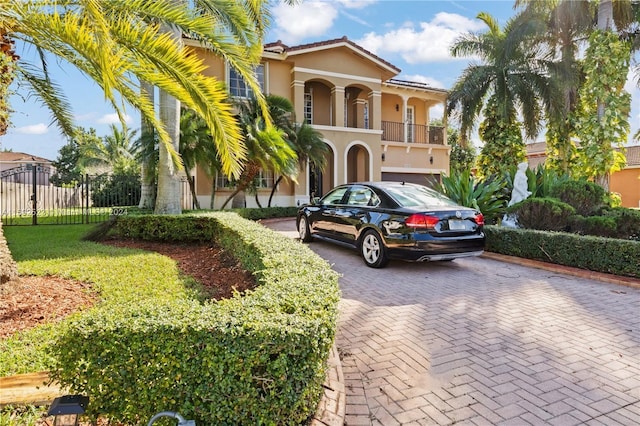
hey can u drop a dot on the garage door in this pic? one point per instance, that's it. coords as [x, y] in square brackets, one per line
[422, 179]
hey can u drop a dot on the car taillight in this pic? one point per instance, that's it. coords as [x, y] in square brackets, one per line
[421, 221]
[479, 219]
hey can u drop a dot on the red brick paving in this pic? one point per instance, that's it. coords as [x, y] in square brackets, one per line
[483, 341]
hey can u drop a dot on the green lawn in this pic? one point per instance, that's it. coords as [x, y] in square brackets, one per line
[116, 274]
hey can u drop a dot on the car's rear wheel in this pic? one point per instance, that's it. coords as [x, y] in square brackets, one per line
[373, 250]
[303, 230]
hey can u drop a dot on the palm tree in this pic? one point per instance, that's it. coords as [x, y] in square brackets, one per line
[114, 152]
[309, 146]
[267, 148]
[119, 44]
[146, 154]
[512, 74]
[196, 149]
[567, 25]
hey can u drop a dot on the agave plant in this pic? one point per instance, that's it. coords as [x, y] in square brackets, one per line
[487, 195]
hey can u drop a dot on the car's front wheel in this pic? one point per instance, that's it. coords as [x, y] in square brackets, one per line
[373, 250]
[303, 230]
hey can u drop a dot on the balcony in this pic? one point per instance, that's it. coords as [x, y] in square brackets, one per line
[416, 133]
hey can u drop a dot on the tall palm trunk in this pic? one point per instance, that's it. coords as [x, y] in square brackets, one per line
[8, 268]
[250, 172]
[7, 61]
[147, 190]
[274, 189]
[192, 187]
[169, 187]
[605, 22]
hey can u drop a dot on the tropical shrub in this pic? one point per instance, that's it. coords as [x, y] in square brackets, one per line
[601, 226]
[548, 214]
[608, 255]
[586, 197]
[116, 190]
[487, 196]
[627, 222]
[542, 180]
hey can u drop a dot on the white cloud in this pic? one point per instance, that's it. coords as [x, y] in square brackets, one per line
[356, 4]
[112, 119]
[34, 129]
[308, 19]
[429, 42]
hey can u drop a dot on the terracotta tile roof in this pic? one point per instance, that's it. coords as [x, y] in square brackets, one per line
[413, 85]
[632, 152]
[21, 157]
[278, 46]
[633, 155]
[536, 148]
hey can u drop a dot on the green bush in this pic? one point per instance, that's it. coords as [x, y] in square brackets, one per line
[609, 255]
[257, 359]
[627, 222]
[115, 190]
[584, 196]
[267, 212]
[487, 196]
[601, 226]
[547, 214]
[542, 180]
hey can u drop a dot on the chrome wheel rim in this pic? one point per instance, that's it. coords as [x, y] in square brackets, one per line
[370, 249]
[302, 228]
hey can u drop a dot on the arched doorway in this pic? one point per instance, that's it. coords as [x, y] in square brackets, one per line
[358, 164]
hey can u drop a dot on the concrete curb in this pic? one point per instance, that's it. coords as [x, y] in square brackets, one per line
[332, 406]
[576, 272]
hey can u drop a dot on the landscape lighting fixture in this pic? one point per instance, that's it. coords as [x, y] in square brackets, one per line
[67, 409]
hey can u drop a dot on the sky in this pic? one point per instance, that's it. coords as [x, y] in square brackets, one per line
[415, 36]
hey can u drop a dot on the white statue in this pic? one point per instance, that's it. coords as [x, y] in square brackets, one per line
[520, 192]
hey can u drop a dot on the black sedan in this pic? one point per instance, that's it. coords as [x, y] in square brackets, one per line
[393, 220]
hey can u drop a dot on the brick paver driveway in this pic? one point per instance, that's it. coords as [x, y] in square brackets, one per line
[478, 341]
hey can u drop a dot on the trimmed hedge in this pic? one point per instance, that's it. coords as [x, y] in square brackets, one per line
[609, 255]
[257, 359]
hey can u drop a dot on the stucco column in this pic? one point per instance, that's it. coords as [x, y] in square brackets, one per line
[444, 123]
[337, 93]
[404, 120]
[297, 87]
[375, 109]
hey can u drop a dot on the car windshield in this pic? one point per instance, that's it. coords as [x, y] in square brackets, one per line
[418, 196]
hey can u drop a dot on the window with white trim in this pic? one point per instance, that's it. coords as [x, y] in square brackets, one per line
[308, 107]
[238, 87]
[264, 179]
[346, 111]
[365, 112]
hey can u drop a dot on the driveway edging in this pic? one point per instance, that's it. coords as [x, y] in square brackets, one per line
[568, 270]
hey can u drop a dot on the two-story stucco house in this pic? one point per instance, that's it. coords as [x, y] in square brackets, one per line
[377, 127]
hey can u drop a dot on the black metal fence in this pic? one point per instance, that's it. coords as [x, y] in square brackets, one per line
[416, 133]
[28, 196]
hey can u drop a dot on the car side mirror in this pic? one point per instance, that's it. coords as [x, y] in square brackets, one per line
[315, 200]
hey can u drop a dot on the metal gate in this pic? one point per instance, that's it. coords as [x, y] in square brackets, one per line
[28, 196]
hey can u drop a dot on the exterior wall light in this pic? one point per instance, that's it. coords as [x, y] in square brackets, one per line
[66, 409]
[383, 156]
[431, 160]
